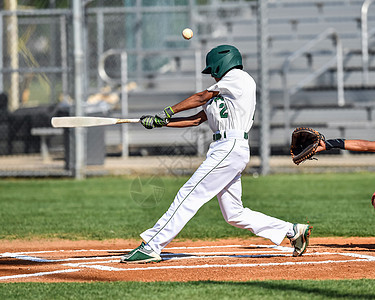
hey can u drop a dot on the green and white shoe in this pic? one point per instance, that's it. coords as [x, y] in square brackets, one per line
[300, 240]
[141, 255]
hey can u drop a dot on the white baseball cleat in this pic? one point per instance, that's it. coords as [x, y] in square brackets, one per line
[300, 240]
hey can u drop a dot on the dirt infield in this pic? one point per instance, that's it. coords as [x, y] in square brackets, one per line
[230, 259]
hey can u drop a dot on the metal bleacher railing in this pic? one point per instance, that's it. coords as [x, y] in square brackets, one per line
[306, 51]
[356, 66]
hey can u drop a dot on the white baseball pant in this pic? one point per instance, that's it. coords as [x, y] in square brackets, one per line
[219, 175]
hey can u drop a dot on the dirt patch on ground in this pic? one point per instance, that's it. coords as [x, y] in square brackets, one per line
[229, 259]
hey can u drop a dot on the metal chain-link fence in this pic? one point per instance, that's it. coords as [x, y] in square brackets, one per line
[37, 79]
[34, 85]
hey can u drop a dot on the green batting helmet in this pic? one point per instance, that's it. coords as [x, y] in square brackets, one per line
[221, 59]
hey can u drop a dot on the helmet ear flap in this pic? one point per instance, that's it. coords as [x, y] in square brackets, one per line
[216, 71]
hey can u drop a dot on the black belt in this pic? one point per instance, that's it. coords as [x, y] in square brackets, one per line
[218, 136]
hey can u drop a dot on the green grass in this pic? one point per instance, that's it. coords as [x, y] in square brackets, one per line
[330, 289]
[106, 208]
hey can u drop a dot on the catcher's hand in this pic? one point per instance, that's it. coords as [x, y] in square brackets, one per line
[305, 142]
[373, 200]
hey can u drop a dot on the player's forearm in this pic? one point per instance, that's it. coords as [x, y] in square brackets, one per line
[351, 145]
[193, 101]
[191, 121]
[360, 145]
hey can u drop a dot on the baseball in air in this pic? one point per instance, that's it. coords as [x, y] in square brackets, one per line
[187, 33]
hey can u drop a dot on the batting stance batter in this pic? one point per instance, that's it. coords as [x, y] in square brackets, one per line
[229, 107]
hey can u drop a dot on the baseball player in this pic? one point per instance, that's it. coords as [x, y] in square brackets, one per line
[228, 106]
[351, 145]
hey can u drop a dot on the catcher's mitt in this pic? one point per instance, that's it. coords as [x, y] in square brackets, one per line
[373, 200]
[305, 141]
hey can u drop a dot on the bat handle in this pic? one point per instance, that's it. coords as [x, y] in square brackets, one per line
[120, 121]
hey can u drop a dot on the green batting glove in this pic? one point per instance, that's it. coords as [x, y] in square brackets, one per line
[148, 122]
[162, 118]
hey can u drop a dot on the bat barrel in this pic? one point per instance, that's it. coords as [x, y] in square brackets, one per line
[69, 122]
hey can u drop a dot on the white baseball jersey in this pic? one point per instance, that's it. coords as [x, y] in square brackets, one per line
[234, 107]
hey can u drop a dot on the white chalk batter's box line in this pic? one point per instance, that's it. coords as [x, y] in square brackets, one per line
[27, 255]
[98, 263]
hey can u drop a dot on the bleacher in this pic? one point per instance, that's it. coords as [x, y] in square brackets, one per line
[292, 24]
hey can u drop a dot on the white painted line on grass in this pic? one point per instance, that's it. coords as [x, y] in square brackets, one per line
[38, 274]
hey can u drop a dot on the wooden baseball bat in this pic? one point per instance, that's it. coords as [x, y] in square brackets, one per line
[67, 122]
